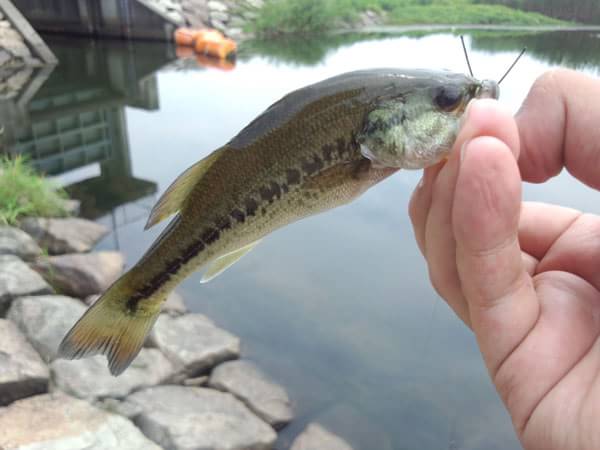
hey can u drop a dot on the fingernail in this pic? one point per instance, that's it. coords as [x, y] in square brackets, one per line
[463, 149]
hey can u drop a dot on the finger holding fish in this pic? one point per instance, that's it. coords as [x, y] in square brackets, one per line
[432, 204]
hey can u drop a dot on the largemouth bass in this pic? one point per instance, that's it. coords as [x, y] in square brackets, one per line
[315, 149]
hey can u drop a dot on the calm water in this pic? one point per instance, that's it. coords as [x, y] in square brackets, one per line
[338, 307]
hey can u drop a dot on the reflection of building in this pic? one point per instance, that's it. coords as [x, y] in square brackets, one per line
[77, 119]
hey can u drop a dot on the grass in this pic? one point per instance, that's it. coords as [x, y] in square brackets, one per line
[278, 17]
[24, 193]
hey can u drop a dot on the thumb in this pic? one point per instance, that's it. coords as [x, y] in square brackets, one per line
[503, 306]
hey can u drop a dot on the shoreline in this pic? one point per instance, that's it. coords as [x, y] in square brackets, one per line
[189, 381]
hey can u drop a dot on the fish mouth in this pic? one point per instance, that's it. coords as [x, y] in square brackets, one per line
[488, 89]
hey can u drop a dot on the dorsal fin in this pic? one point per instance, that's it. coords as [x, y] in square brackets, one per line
[172, 199]
[219, 265]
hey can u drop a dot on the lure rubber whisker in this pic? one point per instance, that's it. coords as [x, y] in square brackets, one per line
[462, 39]
[512, 65]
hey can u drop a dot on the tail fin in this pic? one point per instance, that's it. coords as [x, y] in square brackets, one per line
[108, 327]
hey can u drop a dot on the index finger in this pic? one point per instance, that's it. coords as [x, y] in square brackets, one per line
[559, 126]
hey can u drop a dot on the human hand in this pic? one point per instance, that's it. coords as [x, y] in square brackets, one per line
[524, 276]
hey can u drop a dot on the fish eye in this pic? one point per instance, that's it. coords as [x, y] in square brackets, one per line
[448, 98]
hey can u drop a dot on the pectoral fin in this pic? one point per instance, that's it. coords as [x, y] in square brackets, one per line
[220, 264]
[173, 198]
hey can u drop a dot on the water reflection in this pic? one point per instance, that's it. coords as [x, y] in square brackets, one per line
[337, 307]
[74, 125]
[576, 49]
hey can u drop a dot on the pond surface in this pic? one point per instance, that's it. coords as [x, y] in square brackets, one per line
[338, 307]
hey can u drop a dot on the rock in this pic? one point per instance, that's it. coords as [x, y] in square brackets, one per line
[257, 4]
[59, 422]
[214, 5]
[235, 33]
[193, 343]
[122, 408]
[175, 17]
[45, 320]
[58, 236]
[22, 371]
[4, 58]
[219, 25]
[169, 5]
[248, 383]
[4, 24]
[18, 48]
[237, 22]
[17, 279]
[198, 381]
[174, 305]
[219, 16]
[72, 207]
[315, 437]
[178, 417]
[90, 378]
[16, 242]
[81, 274]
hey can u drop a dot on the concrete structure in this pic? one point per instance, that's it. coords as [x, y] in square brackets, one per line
[127, 19]
[76, 120]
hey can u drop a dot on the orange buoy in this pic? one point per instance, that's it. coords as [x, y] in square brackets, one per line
[221, 48]
[185, 36]
[205, 42]
[184, 52]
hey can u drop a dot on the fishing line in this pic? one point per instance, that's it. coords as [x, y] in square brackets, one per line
[462, 39]
[512, 65]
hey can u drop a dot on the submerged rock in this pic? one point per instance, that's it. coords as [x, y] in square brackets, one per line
[45, 320]
[90, 378]
[60, 422]
[174, 305]
[179, 418]
[17, 279]
[16, 242]
[315, 437]
[357, 427]
[248, 383]
[82, 275]
[22, 371]
[193, 343]
[58, 236]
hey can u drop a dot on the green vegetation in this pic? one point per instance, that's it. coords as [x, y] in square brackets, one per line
[465, 12]
[25, 193]
[584, 11]
[313, 16]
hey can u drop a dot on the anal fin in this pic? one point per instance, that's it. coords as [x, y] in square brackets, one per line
[219, 265]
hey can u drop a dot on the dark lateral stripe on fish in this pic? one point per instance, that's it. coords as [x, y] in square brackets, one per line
[271, 192]
[268, 194]
[293, 176]
[312, 167]
[328, 151]
[251, 206]
[207, 237]
[238, 215]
